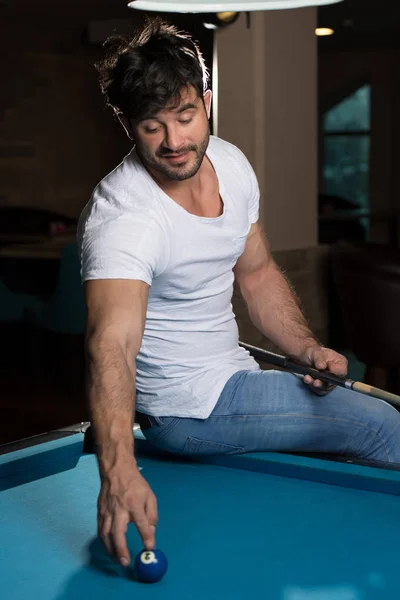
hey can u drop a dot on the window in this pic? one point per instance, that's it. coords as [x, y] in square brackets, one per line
[346, 134]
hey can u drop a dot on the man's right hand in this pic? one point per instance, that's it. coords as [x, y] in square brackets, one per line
[125, 497]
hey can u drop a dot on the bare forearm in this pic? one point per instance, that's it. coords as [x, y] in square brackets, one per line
[111, 399]
[275, 311]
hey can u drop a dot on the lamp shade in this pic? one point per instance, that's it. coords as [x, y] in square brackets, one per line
[214, 6]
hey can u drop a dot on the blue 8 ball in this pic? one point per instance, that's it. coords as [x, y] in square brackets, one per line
[150, 566]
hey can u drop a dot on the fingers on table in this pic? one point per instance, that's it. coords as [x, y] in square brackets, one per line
[104, 532]
[146, 532]
[118, 534]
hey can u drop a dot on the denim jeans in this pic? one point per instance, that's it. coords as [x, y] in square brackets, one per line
[276, 411]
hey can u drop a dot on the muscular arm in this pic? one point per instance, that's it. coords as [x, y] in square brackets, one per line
[273, 306]
[116, 317]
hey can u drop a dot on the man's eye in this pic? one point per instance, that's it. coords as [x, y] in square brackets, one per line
[147, 130]
[186, 121]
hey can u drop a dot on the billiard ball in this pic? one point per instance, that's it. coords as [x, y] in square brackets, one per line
[150, 565]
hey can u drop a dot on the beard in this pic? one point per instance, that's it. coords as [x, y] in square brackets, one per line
[178, 172]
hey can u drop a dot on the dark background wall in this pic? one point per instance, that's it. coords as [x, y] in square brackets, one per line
[57, 140]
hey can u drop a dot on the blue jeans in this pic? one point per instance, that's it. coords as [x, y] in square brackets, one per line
[276, 411]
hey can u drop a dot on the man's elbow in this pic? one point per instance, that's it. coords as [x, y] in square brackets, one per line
[111, 342]
[250, 282]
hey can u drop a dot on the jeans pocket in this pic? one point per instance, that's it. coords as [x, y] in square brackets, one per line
[203, 447]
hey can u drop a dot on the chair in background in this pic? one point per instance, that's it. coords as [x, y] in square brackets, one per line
[65, 311]
[13, 305]
[12, 309]
[339, 219]
[58, 325]
[367, 281]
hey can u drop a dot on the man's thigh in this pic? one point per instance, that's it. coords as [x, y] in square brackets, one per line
[276, 411]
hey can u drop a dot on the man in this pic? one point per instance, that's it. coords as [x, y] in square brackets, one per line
[162, 240]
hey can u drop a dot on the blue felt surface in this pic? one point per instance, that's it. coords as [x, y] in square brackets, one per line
[229, 534]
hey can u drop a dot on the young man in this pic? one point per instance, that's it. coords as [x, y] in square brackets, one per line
[162, 240]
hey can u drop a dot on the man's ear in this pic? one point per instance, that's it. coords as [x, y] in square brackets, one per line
[207, 97]
[126, 125]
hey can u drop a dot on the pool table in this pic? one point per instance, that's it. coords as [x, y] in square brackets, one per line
[240, 527]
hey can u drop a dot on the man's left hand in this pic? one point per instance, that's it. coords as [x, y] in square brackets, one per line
[323, 359]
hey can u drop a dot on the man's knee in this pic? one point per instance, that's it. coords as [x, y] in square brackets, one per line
[384, 440]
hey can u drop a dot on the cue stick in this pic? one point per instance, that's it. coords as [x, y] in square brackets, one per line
[300, 369]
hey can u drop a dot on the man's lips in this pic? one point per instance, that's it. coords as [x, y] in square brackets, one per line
[176, 157]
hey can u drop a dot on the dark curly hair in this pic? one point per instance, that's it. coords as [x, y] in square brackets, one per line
[142, 75]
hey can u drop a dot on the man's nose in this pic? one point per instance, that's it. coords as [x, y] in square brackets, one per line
[174, 139]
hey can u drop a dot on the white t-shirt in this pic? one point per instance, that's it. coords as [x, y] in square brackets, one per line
[131, 229]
